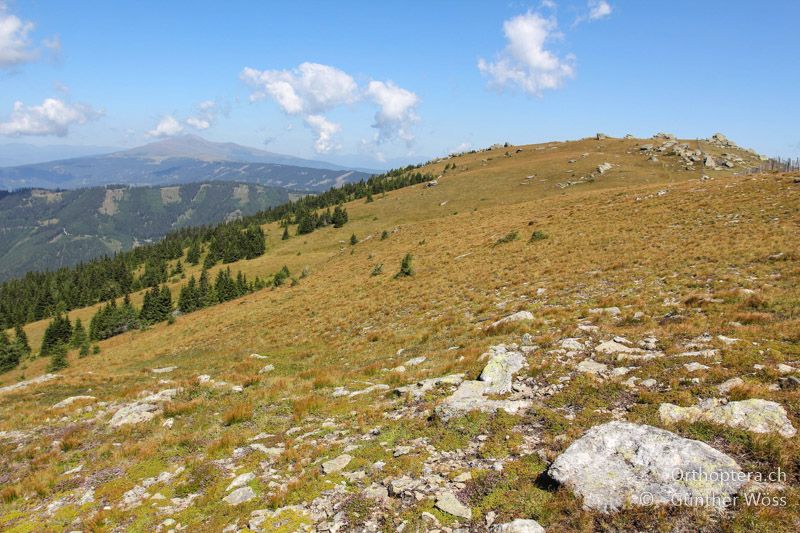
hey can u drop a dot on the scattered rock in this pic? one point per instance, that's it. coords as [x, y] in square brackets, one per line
[727, 386]
[418, 389]
[612, 311]
[241, 480]
[516, 317]
[447, 502]
[335, 465]
[496, 378]
[604, 167]
[266, 369]
[165, 370]
[416, 361]
[694, 366]
[142, 410]
[239, 496]
[72, 399]
[620, 463]
[590, 366]
[519, 526]
[27, 383]
[500, 369]
[756, 415]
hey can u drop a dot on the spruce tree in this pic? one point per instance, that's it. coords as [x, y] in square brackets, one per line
[21, 339]
[353, 239]
[188, 300]
[78, 334]
[285, 233]
[10, 353]
[59, 331]
[405, 267]
[58, 358]
[193, 255]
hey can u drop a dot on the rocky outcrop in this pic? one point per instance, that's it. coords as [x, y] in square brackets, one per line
[418, 389]
[142, 410]
[496, 378]
[500, 369]
[758, 416]
[619, 464]
[27, 383]
[66, 402]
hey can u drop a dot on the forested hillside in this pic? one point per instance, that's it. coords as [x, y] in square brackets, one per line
[45, 230]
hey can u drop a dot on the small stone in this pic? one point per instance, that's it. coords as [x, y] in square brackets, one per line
[590, 366]
[519, 526]
[239, 496]
[694, 367]
[447, 502]
[241, 480]
[335, 465]
[402, 450]
[727, 386]
[516, 317]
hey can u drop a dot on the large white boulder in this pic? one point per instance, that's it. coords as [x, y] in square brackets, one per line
[618, 464]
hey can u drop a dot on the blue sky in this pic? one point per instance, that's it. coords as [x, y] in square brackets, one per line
[388, 80]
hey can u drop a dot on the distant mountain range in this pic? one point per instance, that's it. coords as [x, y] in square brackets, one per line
[44, 229]
[15, 153]
[181, 159]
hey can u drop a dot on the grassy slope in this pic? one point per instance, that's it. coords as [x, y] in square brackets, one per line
[611, 242]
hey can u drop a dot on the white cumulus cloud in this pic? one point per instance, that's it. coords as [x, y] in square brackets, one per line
[311, 89]
[166, 127]
[326, 133]
[396, 110]
[599, 9]
[207, 111]
[525, 62]
[15, 43]
[52, 117]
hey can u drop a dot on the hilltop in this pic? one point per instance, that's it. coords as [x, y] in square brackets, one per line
[561, 298]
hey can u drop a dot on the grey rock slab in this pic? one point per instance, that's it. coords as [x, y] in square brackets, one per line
[66, 402]
[419, 388]
[34, 381]
[727, 386]
[755, 415]
[619, 464]
[239, 496]
[516, 317]
[337, 464]
[519, 526]
[499, 371]
[241, 480]
[590, 366]
[447, 502]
